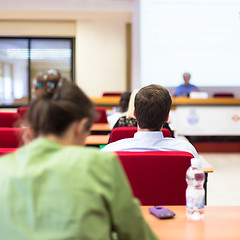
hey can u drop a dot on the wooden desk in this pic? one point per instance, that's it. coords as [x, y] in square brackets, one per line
[107, 102]
[176, 101]
[206, 117]
[207, 168]
[219, 223]
[100, 128]
[96, 140]
[209, 101]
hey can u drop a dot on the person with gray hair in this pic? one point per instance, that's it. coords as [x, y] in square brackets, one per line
[184, 89]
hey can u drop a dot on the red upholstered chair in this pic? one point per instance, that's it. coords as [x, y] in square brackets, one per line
[4, 151]
[11, 137]
[8, 119]
[166, 132]
[102, 118]
[128, 132]
[223, 94]
[112, 94]
[157, 177]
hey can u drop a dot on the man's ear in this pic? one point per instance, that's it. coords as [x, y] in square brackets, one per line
[134, 113]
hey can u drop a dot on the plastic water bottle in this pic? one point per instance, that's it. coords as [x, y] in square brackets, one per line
[195, 193]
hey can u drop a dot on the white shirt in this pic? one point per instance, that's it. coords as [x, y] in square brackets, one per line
[112, 119]
[151, 141]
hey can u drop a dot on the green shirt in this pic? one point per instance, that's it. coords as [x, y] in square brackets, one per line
[52, 192]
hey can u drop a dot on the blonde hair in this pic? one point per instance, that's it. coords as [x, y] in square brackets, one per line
[130, 111]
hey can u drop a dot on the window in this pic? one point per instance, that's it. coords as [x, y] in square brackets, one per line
[21, 59]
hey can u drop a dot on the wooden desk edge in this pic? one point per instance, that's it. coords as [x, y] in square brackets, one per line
[207, 168]
[97, 140]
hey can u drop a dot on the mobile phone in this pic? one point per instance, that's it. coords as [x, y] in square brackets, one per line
[161, 212]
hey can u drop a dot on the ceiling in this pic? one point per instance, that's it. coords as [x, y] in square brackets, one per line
[67, 5]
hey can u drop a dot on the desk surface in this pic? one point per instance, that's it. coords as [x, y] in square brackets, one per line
[219, 223]
[113, 101]
[106, 101]
[207, 101]
[207, 168]
[100, 127]
[97, 140]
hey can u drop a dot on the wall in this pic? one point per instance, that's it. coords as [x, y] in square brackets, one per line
[100, 43]
[101, 56]
[33, 28]
[136, 56]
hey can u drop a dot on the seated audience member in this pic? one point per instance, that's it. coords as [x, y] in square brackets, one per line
[53, 187]
[129, 120]
[122, 108]
[184, 89]
[152, 105]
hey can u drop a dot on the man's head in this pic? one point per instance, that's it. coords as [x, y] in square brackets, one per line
[186, 78]
[152, 105]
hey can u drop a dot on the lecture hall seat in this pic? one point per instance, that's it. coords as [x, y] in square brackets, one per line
[11, 137]
[223, 94]
[157, 177]
[102, 116]
[4, 151]
[128, 132]
[9, 119]
[112, 94]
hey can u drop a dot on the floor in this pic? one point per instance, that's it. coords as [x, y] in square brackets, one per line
[224, 182]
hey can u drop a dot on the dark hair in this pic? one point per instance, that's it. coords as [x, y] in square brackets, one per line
[55, 108]
[124, 100]
[152, 105]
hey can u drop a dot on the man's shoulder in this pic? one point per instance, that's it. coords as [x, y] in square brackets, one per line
[119, 145]
[182, 145]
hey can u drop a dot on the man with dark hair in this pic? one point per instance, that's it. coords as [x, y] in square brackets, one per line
[152, 105]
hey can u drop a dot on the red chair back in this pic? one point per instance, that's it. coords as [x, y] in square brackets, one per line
[128, 132]
[230, 95]
[11, 137]
[102, 118]
[157, 177]
[8, 119]
[4, 151]
[112, 94]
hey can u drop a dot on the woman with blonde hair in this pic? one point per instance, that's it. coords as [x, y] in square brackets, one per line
[128, 120]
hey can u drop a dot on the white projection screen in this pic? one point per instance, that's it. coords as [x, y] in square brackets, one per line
[201, 37]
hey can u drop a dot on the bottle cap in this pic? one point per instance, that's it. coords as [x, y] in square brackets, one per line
[196, 163]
